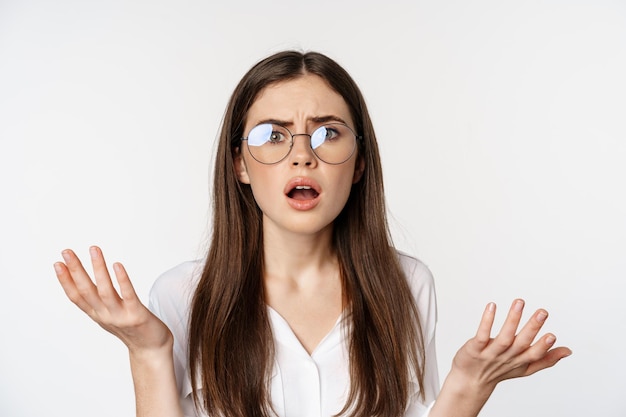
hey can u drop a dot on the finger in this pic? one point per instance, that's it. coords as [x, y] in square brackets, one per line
[483, 335]
[105, 288]
[530, 330]
[83, 282]
[550, 356]
[539, 350]
[126, 287]
[69, 287]
[506, 336]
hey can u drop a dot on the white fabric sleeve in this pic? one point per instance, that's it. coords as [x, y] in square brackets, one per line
[170, 300]
[423, 289]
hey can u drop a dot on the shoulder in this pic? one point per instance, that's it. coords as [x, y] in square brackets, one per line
[185, 273]
[418, 275]
[173, 290]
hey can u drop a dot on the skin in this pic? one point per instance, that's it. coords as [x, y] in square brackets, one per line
[302, 276]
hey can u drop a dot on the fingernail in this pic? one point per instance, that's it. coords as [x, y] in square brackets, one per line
[93, 251]
[491, 307]
[519, 305]
[550, 340]
[542, 316]
[66, 255]
[57, 268]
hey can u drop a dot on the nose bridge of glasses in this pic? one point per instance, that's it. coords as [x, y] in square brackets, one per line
[293, 139]
[300, 134]
[316, 138]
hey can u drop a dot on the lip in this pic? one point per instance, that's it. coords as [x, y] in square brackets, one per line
[302, 204]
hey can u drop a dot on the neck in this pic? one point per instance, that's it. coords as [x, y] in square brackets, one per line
[302, 259]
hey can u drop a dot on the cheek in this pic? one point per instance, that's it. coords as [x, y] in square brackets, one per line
[344, 187]
[263, 185]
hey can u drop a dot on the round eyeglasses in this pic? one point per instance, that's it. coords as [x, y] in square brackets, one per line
[332, 143]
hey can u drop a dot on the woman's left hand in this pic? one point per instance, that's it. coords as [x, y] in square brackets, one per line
[510, 354]
[483, 361]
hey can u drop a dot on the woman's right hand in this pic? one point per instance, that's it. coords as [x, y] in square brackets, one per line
[148, 339]
[120, 314]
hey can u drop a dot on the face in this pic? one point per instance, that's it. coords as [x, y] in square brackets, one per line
[300, 194]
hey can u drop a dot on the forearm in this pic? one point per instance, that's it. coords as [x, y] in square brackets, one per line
[155, 383]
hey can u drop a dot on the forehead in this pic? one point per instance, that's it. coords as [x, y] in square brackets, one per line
[298, 100]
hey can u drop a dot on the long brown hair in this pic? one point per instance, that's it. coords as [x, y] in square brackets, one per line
[231, 349]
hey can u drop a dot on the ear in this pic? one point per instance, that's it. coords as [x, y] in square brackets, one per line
[358, 170]
[240, 167]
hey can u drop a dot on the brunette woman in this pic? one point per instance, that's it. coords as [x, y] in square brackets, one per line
[302, 306]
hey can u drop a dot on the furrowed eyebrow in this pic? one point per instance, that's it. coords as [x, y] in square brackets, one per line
[326, 119]
[317, 119]
[273, 122]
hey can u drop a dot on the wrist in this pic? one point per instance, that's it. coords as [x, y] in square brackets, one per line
[461, 395]
[143, 355]
[464, 385]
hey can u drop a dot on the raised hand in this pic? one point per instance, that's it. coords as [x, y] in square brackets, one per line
[148, 339]
[483, 361]
[509, 354]
[124, 316]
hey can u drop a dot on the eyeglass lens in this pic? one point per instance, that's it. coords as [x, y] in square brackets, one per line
[332, 143]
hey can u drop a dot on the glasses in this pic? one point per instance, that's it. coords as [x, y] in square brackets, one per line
[333, 143]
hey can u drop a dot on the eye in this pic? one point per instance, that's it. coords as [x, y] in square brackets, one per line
[267, 134]
[331, 133]
[326, 134]
[276, 137]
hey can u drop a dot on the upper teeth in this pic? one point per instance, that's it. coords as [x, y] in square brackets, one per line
[302, 187]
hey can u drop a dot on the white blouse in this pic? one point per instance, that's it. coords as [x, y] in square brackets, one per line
[302, 385]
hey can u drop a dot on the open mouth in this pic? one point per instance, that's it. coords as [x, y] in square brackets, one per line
[302, 192]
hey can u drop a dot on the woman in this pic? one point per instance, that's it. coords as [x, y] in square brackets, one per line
[302, 306]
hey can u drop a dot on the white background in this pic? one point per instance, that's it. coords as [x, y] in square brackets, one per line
[502, 128]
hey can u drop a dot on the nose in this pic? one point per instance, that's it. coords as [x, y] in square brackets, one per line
[301, 152]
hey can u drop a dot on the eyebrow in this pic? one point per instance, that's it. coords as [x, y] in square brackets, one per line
[316, 119]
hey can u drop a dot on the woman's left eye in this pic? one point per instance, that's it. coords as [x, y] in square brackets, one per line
[331, 133]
